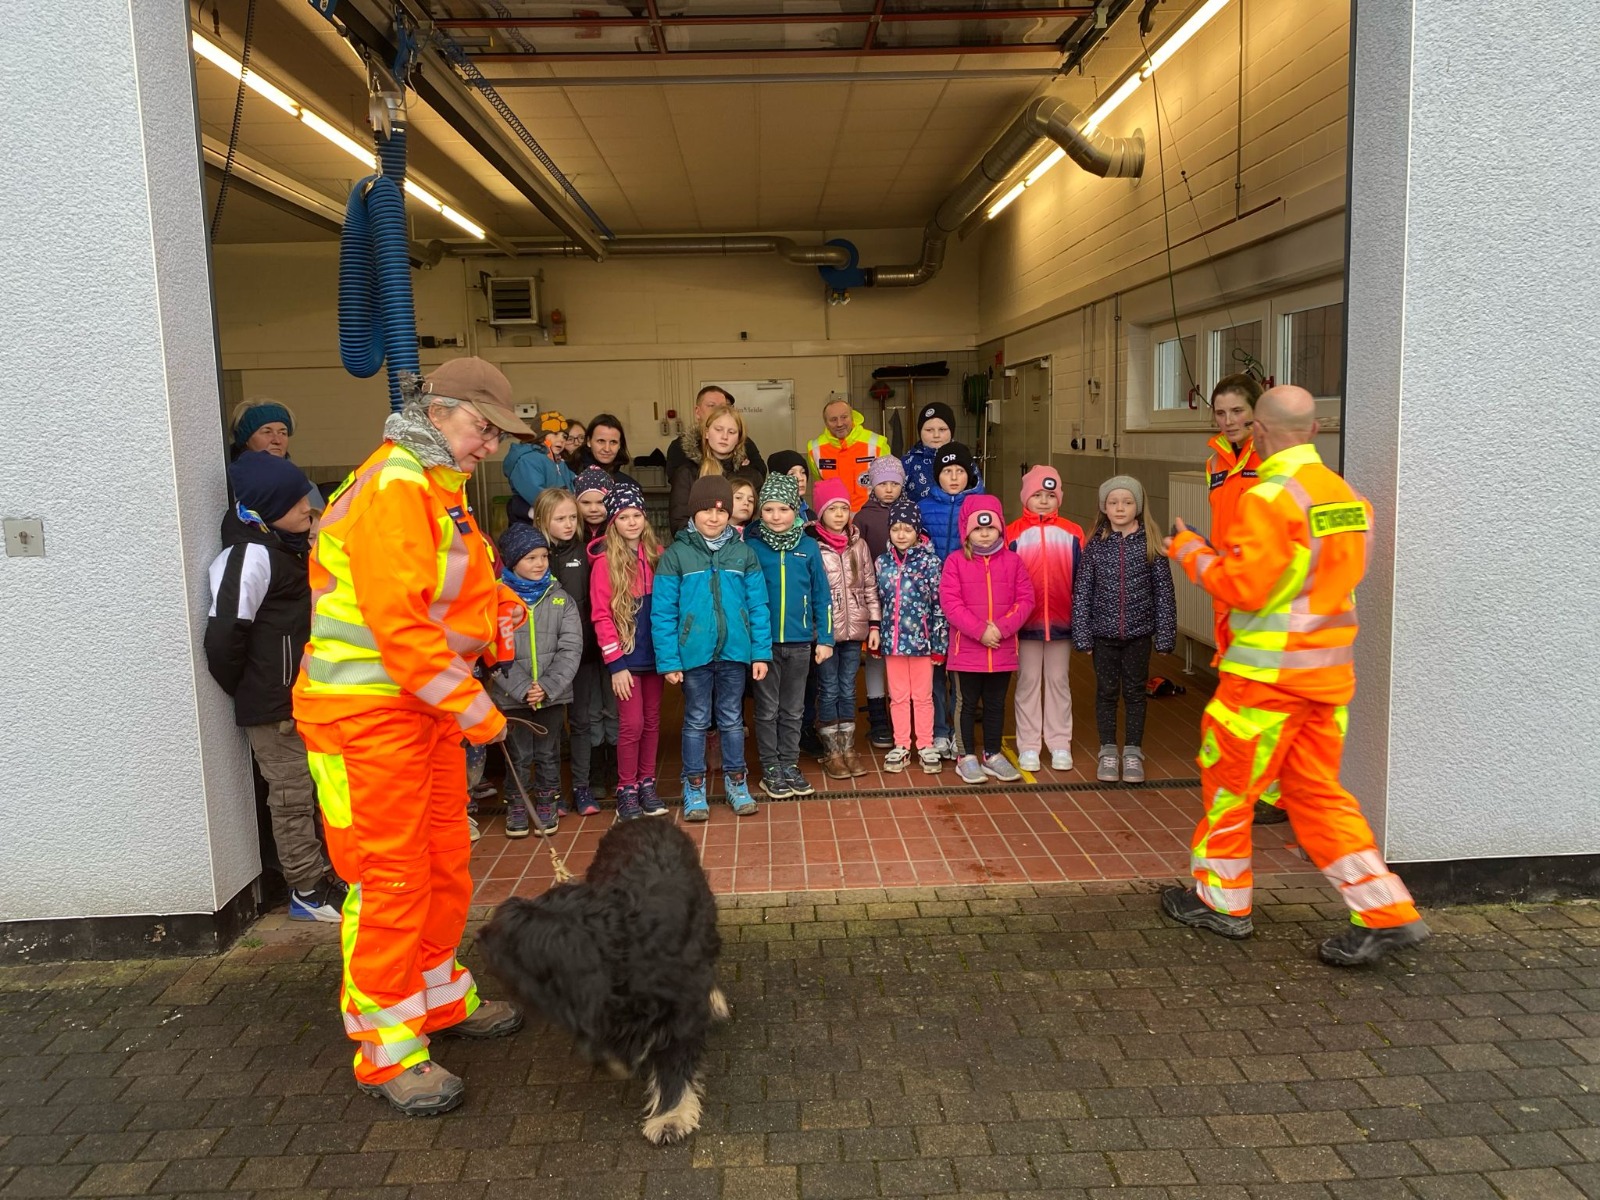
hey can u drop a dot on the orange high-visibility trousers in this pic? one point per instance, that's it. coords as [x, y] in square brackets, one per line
[391, 783]
[1252, 733]
[1273, 793]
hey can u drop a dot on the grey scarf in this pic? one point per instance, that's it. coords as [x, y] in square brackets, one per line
[411, 428]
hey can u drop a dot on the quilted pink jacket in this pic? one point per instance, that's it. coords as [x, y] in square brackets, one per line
[854, 584]
[975, 591]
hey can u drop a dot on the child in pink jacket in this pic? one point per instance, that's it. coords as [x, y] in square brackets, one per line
[986, 595]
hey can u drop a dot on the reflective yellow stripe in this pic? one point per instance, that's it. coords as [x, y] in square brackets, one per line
[334, 629]
[359, 674]
[333, 788]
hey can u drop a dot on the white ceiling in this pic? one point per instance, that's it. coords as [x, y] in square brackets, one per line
[658, 157]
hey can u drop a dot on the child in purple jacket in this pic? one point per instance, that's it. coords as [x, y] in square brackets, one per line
[986, 595]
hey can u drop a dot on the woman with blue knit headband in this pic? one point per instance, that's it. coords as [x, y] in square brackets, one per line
[264, 424]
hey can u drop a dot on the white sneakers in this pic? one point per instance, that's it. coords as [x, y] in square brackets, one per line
[1028, 760]
[1061, 760]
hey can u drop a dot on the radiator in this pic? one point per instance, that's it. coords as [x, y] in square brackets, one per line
[1187, 498]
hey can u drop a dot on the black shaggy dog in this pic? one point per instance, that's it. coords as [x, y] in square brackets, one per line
[625, 960]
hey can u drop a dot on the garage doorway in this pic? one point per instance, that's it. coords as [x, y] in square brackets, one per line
[1019, 429]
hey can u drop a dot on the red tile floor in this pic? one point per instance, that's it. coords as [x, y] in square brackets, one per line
[931, 829]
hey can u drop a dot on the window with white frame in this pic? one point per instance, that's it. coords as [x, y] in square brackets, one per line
[1311, 350]
[1235, 350]
[1175, 364]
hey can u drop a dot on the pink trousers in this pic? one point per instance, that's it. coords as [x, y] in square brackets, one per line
[910, 694]
[1044, 701]
[638, 729]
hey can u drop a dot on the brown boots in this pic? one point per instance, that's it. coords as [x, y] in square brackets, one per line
[841, 760]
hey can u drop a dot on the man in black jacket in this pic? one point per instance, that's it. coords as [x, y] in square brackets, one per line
[258, 626]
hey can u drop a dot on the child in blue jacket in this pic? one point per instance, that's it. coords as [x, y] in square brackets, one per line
[954, 480]
[801, 609]
[710, 623]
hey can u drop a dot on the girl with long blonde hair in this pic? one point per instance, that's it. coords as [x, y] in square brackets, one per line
[621, 580]
[718, 445]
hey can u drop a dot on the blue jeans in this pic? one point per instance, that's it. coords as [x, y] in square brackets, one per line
[943, 702]
[836, 684]
[714, 692]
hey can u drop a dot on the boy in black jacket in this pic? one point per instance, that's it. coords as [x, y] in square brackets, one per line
[258, 626]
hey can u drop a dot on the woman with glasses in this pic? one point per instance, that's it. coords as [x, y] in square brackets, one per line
[405, 603]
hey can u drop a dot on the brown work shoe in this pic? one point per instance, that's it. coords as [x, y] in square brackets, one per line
[425, 1090]
[491, 1019]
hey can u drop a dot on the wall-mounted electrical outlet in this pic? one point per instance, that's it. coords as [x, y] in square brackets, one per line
[24, 538]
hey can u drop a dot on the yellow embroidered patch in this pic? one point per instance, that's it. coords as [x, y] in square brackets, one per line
[1345, 517]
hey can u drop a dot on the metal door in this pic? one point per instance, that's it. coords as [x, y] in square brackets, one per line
[1020, 431]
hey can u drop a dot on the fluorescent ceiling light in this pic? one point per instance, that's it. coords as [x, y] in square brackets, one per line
[1050, 160]
[1169, 46]
[1000, 205]
[220, 58]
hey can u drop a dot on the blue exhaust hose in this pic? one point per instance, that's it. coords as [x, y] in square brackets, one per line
[377, 317]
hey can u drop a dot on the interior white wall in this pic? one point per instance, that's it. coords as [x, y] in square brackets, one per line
[1475, 227]
[124, 786]
[642, 333]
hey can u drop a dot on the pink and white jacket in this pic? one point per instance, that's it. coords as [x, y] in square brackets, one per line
[977, 590]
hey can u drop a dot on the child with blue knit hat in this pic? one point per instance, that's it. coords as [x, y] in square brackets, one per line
[259, 624]
[535, 687]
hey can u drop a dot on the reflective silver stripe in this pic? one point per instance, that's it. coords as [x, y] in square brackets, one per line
[1299, 619]
[1233, 901]
[392, 1054]
[320, 670]
[462, 644]
[343, 631]
[1375, 893]
[456, 560]
[412, 1008]
[439, 973]
[1353, 868]
[1223, 868]
[475, 712]
[438, 689]
[449, 993]
[1289, 660]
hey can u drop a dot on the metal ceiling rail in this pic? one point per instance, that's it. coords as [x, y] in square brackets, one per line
[981, 75]
[628, 56]
[871, 17]
[371, 23]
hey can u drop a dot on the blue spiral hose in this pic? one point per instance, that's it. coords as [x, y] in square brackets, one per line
[377, 317]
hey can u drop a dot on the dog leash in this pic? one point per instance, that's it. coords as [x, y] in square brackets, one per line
[560, 868]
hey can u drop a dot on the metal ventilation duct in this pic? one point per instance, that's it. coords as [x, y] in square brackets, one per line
[692, 244]
[1097, 153]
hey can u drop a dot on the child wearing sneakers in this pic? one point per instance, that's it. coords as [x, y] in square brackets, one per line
[886, 480]
[1049, 546]
[537, 684]
[1121, 600]
[710, 623]
[855, 624]
[622, 568]
[259, 624]
[986, 595]
[954, 479]
[801, 606]
[914, 634]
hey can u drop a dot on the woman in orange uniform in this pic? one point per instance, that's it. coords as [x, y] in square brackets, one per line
[405, 601]
[1230, 473]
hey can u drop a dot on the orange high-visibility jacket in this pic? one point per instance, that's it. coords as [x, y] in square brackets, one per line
[1295, 552]
[404, 599]
[1229, 475]
[847, 460]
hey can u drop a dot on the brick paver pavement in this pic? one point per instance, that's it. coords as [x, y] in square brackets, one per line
[1032, 1041]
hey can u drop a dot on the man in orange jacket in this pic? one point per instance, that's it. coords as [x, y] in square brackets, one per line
[845, 450]
[405, 601]
[1288, 569]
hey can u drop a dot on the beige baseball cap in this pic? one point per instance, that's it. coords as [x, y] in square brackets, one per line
[481, 384]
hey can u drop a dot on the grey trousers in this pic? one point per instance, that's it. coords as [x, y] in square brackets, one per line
[292, 801]
[780, 697]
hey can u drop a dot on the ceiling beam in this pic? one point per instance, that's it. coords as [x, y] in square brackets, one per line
[371, 23]
[872, 17]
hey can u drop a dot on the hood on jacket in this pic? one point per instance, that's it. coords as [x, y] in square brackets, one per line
[857, 424]
[694, 450]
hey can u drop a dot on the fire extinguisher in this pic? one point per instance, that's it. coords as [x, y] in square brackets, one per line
[558, 327]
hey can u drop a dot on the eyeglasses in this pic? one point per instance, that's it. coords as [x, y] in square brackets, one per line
[487, 431]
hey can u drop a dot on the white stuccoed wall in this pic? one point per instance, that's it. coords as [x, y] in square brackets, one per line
[1473, 424]
[124, 786]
